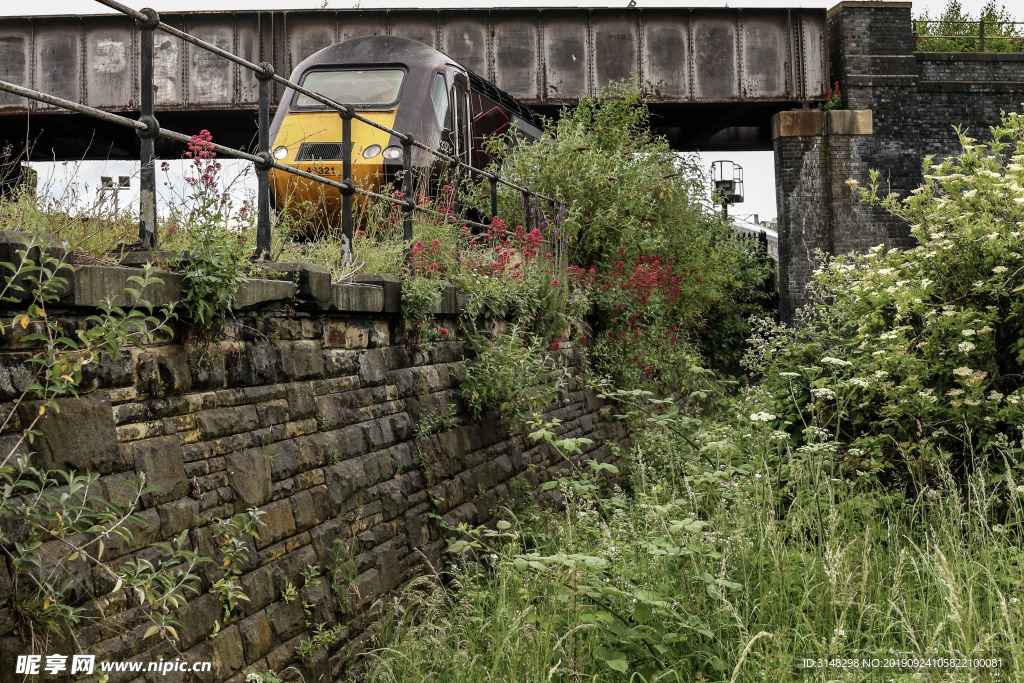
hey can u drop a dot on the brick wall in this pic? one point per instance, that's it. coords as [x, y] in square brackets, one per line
[914, 101]
[308, 411]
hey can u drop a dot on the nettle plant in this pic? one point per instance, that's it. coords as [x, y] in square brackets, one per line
[216, 237]
[912, 359]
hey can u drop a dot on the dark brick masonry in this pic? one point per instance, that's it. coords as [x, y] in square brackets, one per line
[914, 100]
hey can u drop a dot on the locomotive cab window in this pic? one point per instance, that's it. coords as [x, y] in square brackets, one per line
[359, 87]
[439, 96]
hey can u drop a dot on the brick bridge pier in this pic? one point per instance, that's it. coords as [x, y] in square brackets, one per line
[899, 106]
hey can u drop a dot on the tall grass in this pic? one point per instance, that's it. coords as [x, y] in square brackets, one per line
[744, 562]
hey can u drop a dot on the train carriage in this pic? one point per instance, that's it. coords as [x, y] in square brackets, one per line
[401, 84]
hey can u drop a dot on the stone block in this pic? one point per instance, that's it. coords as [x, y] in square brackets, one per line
[358, 298]
[798, 123]
[257, 637]
[392, 287]
[197, 618]
[286, 618]
[301, 401]
[849, 122]
[249, 474]
[81, 436]
[254, 292]
[19, 248]
[311, 281]
[177, 516]
[280, 523]
[227, 655]
[300, 359]
[372, 367]
[160, 459]
[94, 284]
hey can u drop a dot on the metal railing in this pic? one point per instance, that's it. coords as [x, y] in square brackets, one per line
[972, 38]
[148, 129]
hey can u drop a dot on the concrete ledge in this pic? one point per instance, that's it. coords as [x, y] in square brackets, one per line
[877, 4]
[392, 287]
[970, 56]
[358, 298]
[798, 123]
[135, 259]
[449, 301]
[313, 282]
[254, 292]
[94, 284]
[973, 87]
[849, 122]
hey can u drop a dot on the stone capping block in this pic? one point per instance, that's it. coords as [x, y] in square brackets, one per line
[969, 56]
[798, 123]
[313, 282]
[12, 242]
[94, 284]
[849, 122]
[392, 286]
[449, 304]
[254, 292]
[136, 259]
[357, 297]
[877, 4]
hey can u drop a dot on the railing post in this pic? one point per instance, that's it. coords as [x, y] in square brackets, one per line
[981, 36]
[407, 190]
[147, 173]
[265, 78]
[346, 172]
[493, 178]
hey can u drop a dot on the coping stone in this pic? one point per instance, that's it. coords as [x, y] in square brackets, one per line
[449, 304]
[254, 292]
[313, 282]
[358, 297]
[392, 286]
[798, 123]
[135, 259]
[94, 284]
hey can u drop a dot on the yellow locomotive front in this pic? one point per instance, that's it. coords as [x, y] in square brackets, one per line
[310, 137]
[398, 83]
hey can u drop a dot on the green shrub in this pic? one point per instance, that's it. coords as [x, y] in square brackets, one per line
[911, 358]
[641, 238]
[512, 375]
[216, 238]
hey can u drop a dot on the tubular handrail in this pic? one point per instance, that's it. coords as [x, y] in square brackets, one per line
[220, 149]
[979, 35]
[345, 109]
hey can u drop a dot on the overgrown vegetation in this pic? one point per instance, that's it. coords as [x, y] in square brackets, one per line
[956, 30]
[55, 523]
[856, 514]
[668, 279]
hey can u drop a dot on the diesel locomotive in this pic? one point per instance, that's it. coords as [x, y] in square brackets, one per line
[397, 82]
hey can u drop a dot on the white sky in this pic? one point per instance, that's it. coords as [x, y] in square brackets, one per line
[759, 170]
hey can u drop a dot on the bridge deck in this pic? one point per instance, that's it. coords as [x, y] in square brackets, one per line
[767, 59]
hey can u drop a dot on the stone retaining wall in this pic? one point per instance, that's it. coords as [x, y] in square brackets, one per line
[306, 407]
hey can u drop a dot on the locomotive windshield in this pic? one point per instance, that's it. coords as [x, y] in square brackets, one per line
[358, 87]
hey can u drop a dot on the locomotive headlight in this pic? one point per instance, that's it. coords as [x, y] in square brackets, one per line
[371, 151]
[393, 152]
[280, 152]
